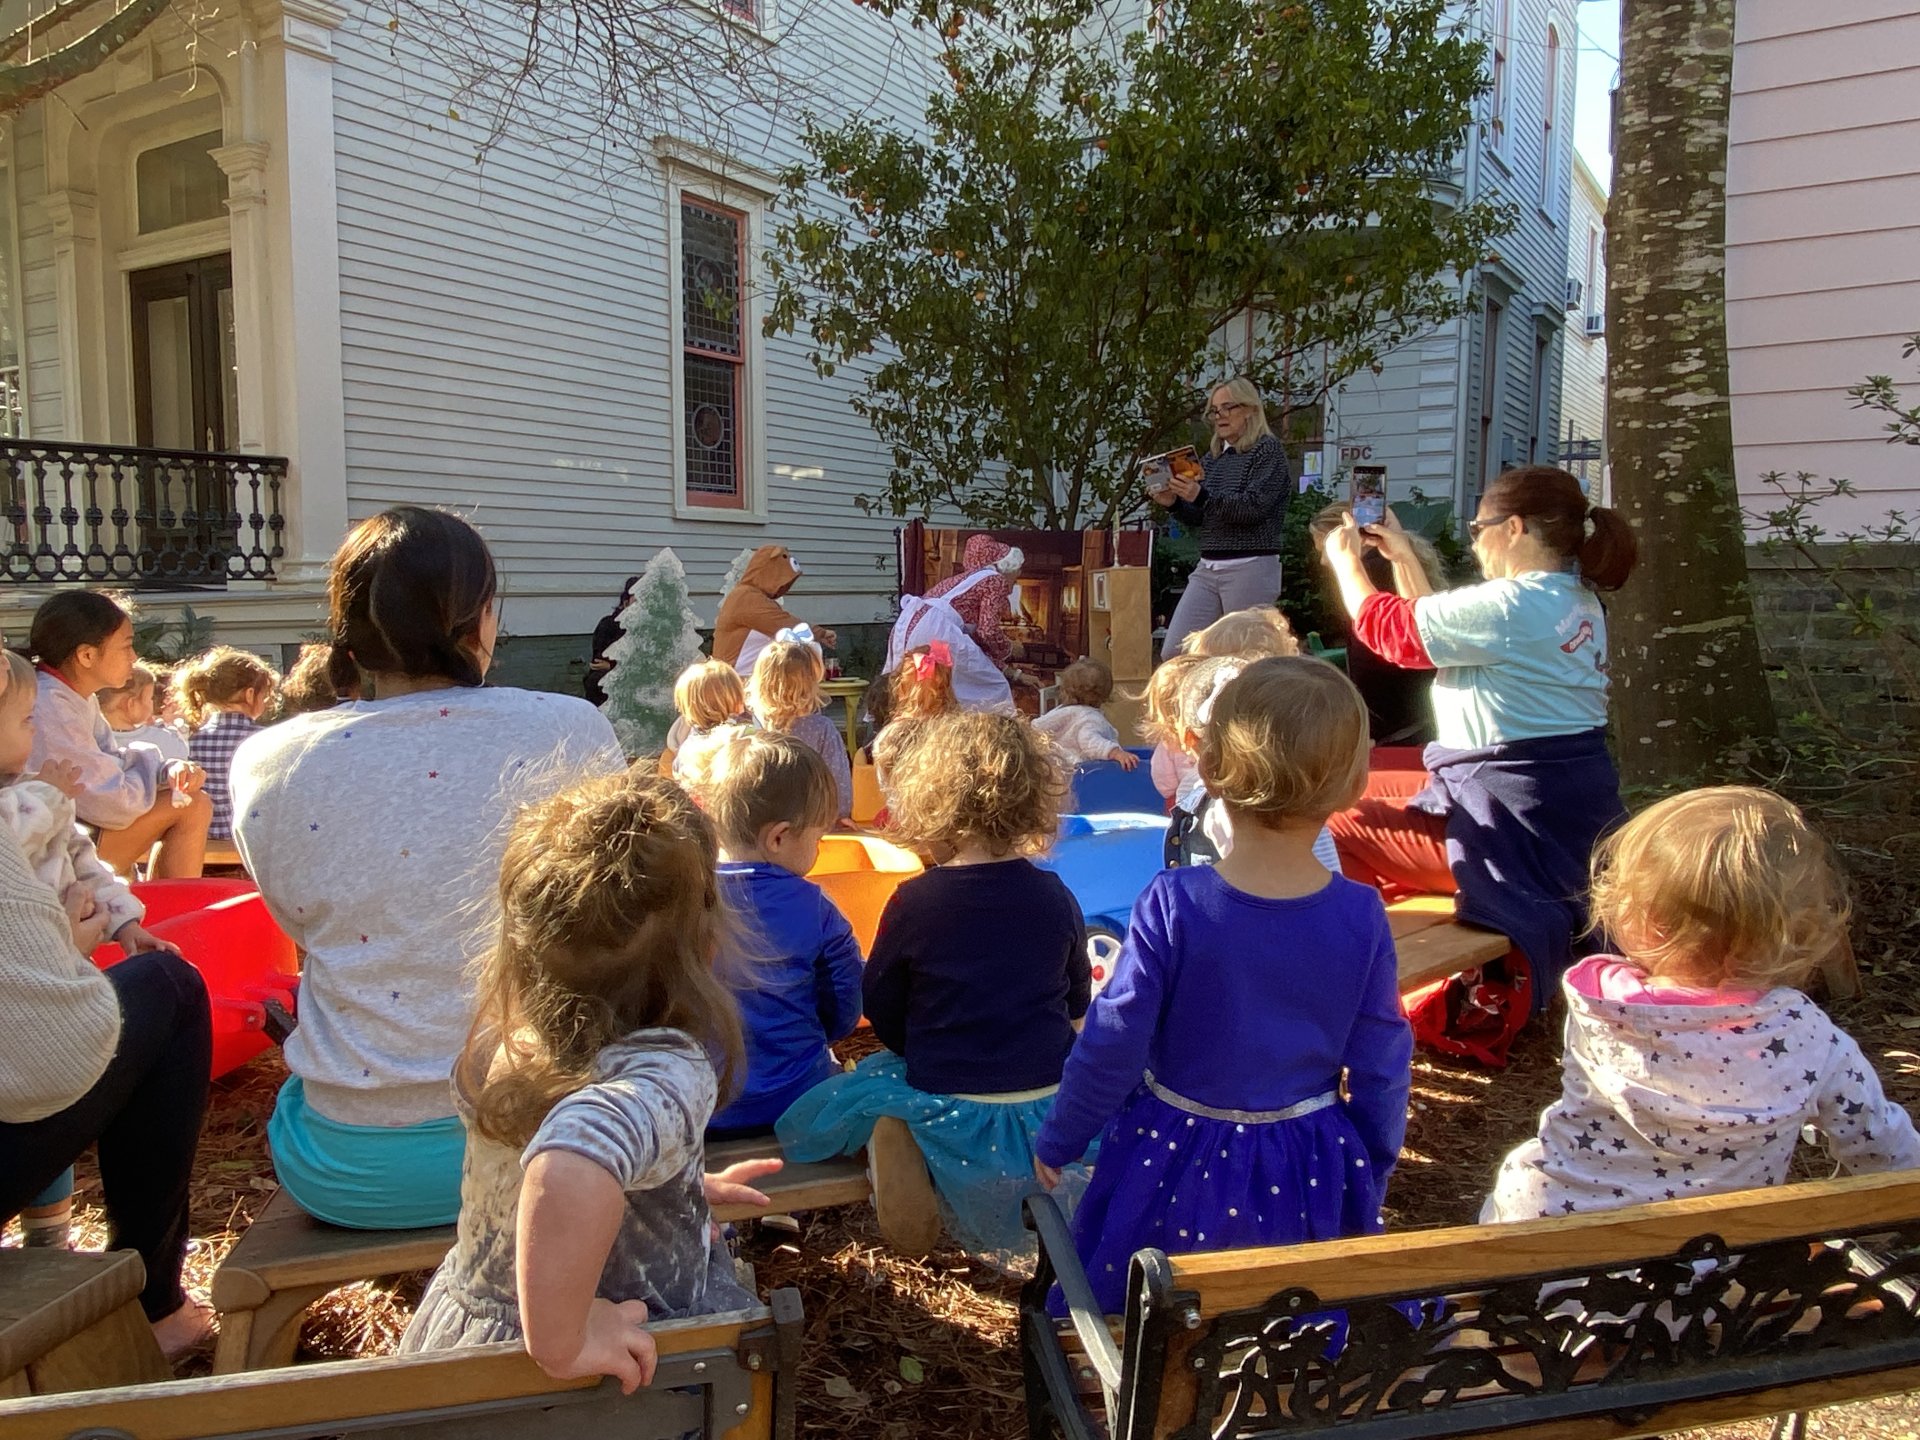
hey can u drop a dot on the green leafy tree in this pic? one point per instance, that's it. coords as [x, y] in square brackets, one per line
[660, 638]
[1036, 284]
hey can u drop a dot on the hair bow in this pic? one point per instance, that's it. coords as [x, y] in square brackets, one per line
[939, 655]
[1228, 674]
[801, 634]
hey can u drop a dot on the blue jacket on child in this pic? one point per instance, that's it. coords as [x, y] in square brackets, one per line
[800, 994]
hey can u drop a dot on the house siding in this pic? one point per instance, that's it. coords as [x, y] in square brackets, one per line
[1823, 243]
[507, 343]
[1421, 413]
[1583, 370]
[39, 318]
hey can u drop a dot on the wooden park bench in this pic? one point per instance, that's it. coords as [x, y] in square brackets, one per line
[72, 1321]
[724, 1377]
[1633, 1322]
[287, 1260]
[1431, 944]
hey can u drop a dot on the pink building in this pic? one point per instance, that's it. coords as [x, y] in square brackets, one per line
[1823, 242]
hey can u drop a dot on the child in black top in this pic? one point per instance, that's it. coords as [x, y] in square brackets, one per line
[976, 984]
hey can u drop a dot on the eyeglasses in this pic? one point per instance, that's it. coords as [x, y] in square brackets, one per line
[1476, 527]
[1215, 412]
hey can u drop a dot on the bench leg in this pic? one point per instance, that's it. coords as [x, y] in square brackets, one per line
[119, 1350]
[1790, 1427]
[267, 1337]
[903, 1199]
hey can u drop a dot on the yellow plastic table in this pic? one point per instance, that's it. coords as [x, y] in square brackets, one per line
[849, 689]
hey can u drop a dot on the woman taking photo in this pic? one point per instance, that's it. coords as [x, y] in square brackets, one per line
[1236, 508]
[1519, 784]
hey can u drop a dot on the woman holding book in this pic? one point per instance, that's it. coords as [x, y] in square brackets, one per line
[1236, 506]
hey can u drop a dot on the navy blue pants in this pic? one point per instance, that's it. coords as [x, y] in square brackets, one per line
[144, 1113]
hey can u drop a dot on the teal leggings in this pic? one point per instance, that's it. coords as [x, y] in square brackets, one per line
[366, 1177]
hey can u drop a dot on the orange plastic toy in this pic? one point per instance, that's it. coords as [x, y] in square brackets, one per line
[223, 928]
[860, 874]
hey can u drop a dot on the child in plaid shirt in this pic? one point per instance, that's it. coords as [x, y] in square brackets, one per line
[223, 694]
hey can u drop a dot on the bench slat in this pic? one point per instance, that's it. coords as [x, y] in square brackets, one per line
[337, 1391]
[1445, 949]
[811, 1186]
[1480, 1255]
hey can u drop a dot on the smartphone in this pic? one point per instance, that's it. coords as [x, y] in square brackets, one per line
[1369, 494]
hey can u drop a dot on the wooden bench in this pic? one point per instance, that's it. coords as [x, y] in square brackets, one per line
[1431, 944]
[1633, 1322]
[287, 1260]
[728, 1377]
[71, 1321]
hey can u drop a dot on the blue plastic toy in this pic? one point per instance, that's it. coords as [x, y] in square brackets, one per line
[1101, 787]
[1106, 861]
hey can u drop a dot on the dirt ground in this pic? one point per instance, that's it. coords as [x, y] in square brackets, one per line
[898, 1349]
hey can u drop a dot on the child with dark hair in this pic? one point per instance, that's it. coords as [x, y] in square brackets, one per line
[82, 642]
[978, 976]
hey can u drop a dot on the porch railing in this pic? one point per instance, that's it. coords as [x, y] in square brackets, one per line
[114, 514]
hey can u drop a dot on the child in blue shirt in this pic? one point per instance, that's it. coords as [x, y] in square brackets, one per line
[796, 971]
[1246, 1070]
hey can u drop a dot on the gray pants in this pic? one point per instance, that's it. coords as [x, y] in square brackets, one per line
[1219, 587]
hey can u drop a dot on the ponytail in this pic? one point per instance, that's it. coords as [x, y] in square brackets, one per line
[1555, 509]
[407, 591]
[1607, 555]
[222, 676]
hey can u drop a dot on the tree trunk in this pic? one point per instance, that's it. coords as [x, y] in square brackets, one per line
[1689, 691]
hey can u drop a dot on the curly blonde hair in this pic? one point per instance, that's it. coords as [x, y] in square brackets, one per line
[222, 676]
[1286, 740]
[709, 693]
[1728, 885]
[1085, 682]
[785, 686]
[1160, 719]
[913, 696]
[1252, 634]
[976, 779]
[610, 920]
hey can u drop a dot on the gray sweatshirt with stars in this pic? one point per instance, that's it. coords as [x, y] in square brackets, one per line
[1664, 1100]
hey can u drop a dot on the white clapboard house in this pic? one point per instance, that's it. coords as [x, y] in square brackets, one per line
[261, 282]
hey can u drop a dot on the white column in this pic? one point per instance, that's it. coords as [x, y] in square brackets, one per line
[306, 417]
[245, 162]
[75, 215]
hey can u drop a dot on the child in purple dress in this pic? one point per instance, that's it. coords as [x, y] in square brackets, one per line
[1211, 1065]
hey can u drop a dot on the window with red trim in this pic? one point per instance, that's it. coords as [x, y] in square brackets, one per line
[713, 352]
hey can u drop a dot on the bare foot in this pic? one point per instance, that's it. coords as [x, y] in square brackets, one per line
[185, 1329]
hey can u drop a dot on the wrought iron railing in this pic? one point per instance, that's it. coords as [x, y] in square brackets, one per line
[114, 514]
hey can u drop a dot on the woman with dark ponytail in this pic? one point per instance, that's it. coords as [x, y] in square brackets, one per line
[374, 830]
[1519, 785]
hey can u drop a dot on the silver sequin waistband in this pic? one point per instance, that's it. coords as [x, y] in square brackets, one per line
[1242, 1117]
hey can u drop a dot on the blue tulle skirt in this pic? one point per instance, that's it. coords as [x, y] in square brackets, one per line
[979, 1152]
[1179, 1182]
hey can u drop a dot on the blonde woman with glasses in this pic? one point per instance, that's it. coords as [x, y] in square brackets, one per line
[1237, 507]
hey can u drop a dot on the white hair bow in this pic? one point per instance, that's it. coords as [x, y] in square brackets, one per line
[801, 634]
[1228, 674]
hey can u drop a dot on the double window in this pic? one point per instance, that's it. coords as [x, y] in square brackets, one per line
[1500, 50]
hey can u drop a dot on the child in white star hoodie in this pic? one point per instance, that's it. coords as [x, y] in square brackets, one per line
[1691, 1061]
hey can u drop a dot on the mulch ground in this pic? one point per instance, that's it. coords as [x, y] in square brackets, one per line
[902, 1349]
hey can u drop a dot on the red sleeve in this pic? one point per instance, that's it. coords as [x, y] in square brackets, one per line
[1385, 626]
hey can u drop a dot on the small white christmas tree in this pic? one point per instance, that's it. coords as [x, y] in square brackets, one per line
[735, 572]
[661, 639]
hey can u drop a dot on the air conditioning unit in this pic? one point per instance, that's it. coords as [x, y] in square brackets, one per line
[1576, 293]
[1597, 323]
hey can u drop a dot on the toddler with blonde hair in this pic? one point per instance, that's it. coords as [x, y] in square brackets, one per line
[978, 975]
[222, 695]
[1253, 634]
[708, 695]
[130, 712]
[602, 1043]
[1077, 724]
[1692, 1057]
[784, 695]
[1246, 1069]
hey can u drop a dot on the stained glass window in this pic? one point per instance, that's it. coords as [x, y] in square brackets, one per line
[713, 351]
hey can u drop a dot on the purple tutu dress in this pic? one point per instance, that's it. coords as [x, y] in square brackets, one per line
[1210, 1066]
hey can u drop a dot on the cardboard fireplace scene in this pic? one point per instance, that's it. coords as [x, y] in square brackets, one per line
[1072, 595]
